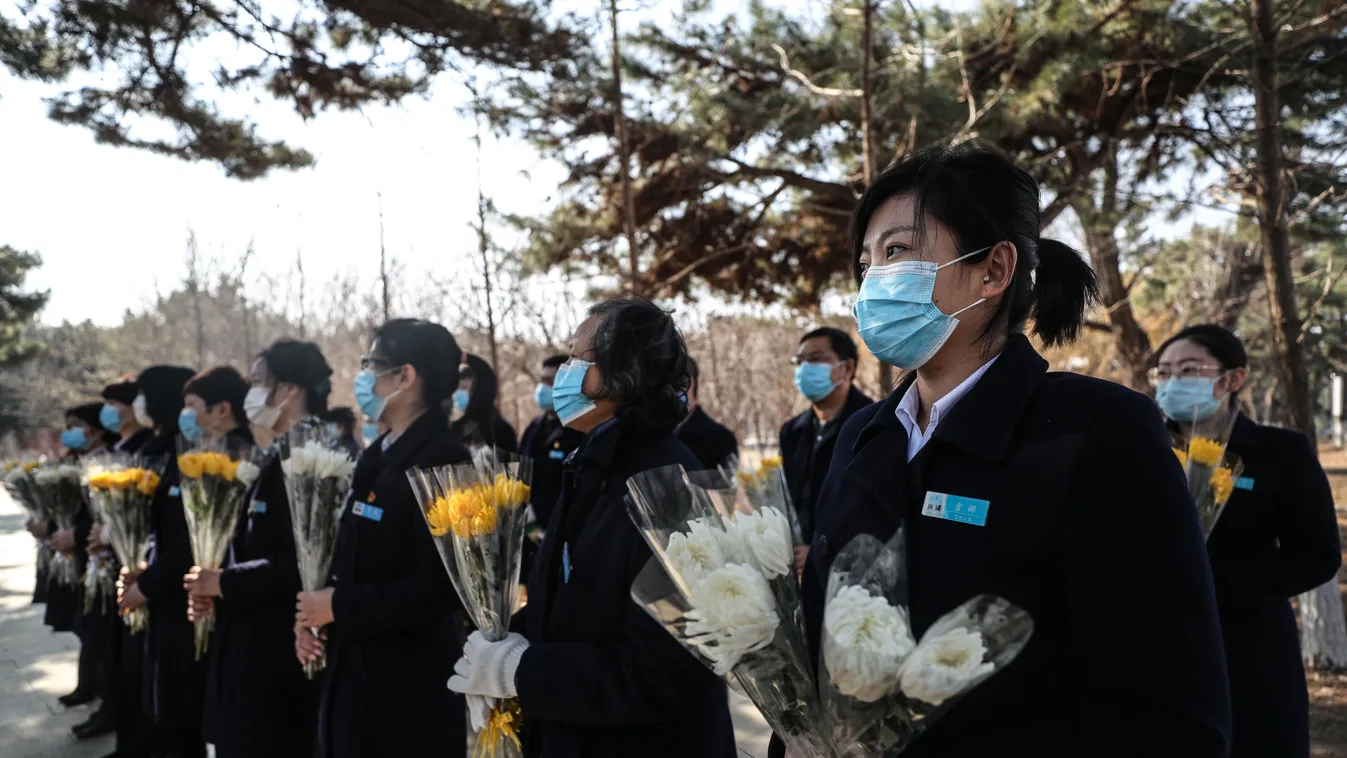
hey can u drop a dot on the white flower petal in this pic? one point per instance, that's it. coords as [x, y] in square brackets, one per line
[945, 666]
[866, 642]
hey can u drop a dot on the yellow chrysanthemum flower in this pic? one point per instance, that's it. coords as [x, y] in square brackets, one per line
[471, 512]
[438, 517]
[1204, 451]
[1182, 455]
[191, 465]
[510, 492]
[1222, 484]
[770, 464]
[146, 481]
[212, 463]
[30, 465]
[100, 481]
[228, 468]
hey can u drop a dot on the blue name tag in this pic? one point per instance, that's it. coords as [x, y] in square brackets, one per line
[174, 492]
[258, 507]
[365, 510]
[557, 455]
[965, 510]
[1244, 483]
[566, 562]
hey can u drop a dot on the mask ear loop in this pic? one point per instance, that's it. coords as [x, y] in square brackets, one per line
[979, 301]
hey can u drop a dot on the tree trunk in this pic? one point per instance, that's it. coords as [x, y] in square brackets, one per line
[383, 261]
[868, 139]
[624, 148]
[1323, 635]
[1134, 345]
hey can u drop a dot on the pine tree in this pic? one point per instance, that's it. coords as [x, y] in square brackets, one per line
[17, 306]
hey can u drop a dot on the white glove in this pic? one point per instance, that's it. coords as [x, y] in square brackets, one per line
[479, 710]
[488, 668]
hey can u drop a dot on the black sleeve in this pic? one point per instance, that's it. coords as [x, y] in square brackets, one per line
[172, 545]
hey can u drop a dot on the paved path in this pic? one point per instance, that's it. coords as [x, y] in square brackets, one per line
[36, 665]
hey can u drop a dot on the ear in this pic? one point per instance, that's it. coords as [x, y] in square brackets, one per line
[848, 369]
[1235, 380]
[407, 377]
[998, 270]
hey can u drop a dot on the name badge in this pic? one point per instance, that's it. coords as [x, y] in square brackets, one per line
[365, 510]
[1244, 483]
[258, 507]
[174, 492]
[566, 562]
[557, 455]
[965, 510]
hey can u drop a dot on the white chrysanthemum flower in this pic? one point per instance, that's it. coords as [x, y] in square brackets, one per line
[47, 475]
[316, 460]
[867, 642]
[247, 473]
[70, 471]
[944, 666]
[697, 552]
[768, 535]
[734, 612]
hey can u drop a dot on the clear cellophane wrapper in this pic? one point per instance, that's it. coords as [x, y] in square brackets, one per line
[61, 493]
[317, 472]
[1211, 467]
[19, 484]
[722, 583]
[880, 687]
[121, 489]
[215, 479]
[477, 513]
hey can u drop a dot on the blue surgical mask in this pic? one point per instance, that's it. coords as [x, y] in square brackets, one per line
[74, 439]
[897, 319]
[543, 396]
[370, 432]
[1188, 399]
[815, 380]
[370, 403]
[188, 426]
[568, 396]
[110, 418]
[461, 398]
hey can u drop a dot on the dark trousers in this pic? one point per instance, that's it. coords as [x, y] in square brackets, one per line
[135, 731]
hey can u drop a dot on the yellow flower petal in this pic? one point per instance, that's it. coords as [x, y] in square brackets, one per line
[1205, 451]
[191, 465]
[1222, 484]
[1182, 455]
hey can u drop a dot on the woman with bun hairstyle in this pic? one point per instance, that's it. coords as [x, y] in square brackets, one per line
[389, 613]
[1276, 538]
[1070, 503]
[481, 422]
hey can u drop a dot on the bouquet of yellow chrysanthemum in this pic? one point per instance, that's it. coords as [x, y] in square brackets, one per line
[215, 478]
[1212, 470]
[121, 489]
[317, 475]
[477, 513]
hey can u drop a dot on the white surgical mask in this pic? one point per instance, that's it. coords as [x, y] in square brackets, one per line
[258, 412]
[142, 414]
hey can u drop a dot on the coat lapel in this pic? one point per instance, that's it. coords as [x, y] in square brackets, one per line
[880, 463]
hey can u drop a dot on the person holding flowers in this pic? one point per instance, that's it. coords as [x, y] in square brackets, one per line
[1054, 491]
[389, 617]
[176, 680]
[1276, 538]
[594, 675]
[258, 701]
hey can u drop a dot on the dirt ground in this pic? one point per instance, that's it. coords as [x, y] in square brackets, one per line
[1328, 692]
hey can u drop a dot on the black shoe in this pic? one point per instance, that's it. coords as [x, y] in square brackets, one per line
[76, 698]
[99, 724]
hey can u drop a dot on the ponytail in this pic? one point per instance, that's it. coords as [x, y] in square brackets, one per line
[1065, 287]
[303, 365]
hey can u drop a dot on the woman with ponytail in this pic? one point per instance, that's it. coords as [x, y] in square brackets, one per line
[259, 703]
[1084, 516]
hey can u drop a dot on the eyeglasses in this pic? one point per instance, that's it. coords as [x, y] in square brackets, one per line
[814, 358]
[369, 361]
[1161, 374]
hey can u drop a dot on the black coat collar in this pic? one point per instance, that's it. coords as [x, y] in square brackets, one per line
[856, 400]
[984, 421]
[413, 439]
[1245, 435]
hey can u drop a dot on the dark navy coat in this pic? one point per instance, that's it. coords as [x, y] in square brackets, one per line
[1277, 538]
[548, 443]
[1089, 527]
[396, 637]
[711, 441]
[259, 703]
[805, 460]
[600, 679]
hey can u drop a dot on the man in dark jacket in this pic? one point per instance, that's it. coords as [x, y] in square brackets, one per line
[711, 441]
[825, 367]
[548, 443]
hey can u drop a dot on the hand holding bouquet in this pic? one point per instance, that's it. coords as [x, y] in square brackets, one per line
[216, 477]
[477, 513]
[121, 490]
[317, 479]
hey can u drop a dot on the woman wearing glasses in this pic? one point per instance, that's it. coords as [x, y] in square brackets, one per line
[388, 614]
[1277, 538]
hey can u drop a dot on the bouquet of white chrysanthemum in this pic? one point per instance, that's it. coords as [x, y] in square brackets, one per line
[60, 491]
[880, 686]
[317, 479]
[722, 582]
[765, 487]
[18, 482]
[215, 480]
[121, 490]
[476, 513]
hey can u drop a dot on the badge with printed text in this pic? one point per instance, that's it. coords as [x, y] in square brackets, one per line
[174, 492]
[1244, 483]
[258, 507]
[367, 511]
[965, 510]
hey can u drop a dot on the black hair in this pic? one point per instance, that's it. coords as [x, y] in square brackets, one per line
[643, 363]
[485, 387]
[982, 198]
[427, 347]
[555, 361]
[1223, 345]
[694, 371]
[87, 413]
[303, 365]
[220, 385]
[842, 343]
[162, 387]
[123, 391]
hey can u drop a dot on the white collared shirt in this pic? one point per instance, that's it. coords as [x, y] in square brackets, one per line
[911, 406]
